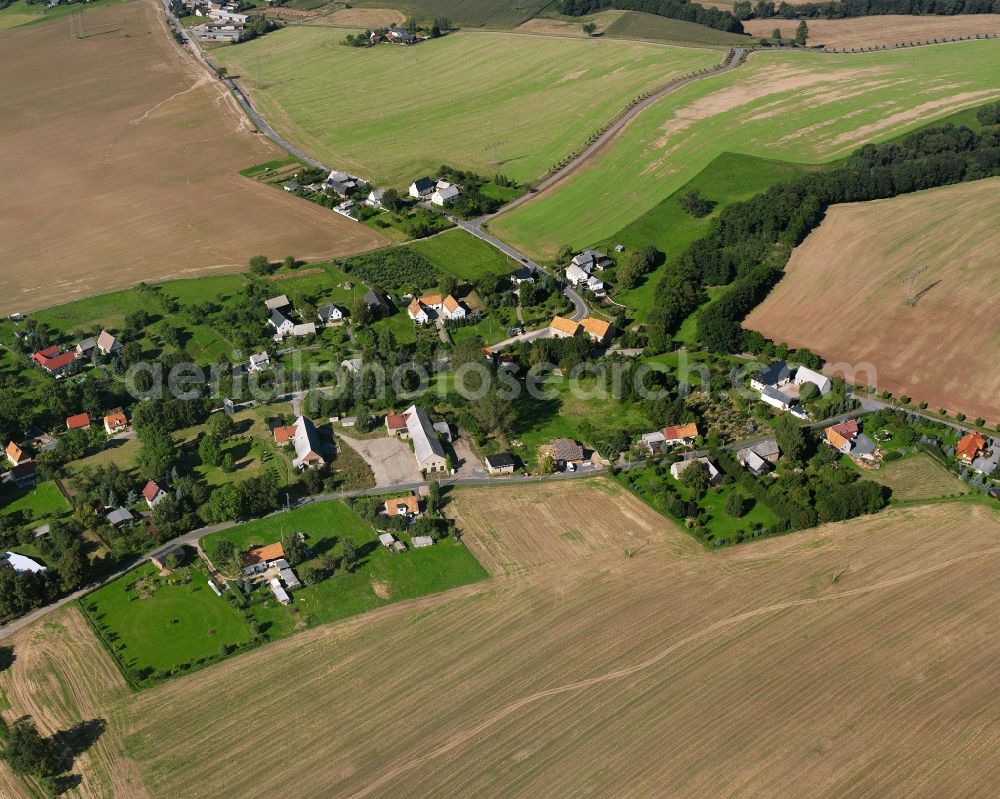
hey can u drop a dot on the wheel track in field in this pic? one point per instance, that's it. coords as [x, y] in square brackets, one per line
[496, 716]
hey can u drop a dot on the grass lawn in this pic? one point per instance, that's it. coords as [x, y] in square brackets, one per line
[516, 104]
[44, 501]
[467, 13]
[463, 255]
[158, 623]
[917, 477]
[792, 106]
[687, 333]
[729, 178]
[402, 576]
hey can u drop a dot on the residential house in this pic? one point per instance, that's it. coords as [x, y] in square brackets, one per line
[86, 346]
[806, 375]
[78, 422]
[283, 326]
[561, 327]
[452, 309]
[753, 462]
[576, 275]
[120, 516]
[265, 555]
[24, 474]
[341, 183]
[599, 330]
[57, 363]
[422, 188]
[154, 493]
[330, 314]
[500, 463]
[408, 507]
[596, 285]
[375, 302]
[306, 443]
[15, 454]
[653, 443]
[841, 436]
[374, 198]
[395, 425]
[290, 186]
[677, 469]
[766, 449]
[565, 450]
[427, 448]
[444, 196]
[107, 344]
[522, 275]
[278, 303]
[115, 422]
[417, 313]
[680, 433]
[773, 375]
[589, 260]
[969, 446]
[20, 563]
[776, 399]
[396, 35]
[259, 361]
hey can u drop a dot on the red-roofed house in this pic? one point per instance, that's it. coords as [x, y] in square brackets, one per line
[53, 361]
[153, 493]
[78, 422]
[969, 446]
[115, 422]
[395, 424]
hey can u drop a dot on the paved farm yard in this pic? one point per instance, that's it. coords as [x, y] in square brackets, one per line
[390, 459]
[485, 101]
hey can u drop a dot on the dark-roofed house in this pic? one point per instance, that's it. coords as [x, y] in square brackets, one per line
[282, 325]
[566, 449]
[329, 314]
[375, 302]
[774, 375]
[522, 275]
[500, 463]
[400, 36]
[24, 474]
[424, 187]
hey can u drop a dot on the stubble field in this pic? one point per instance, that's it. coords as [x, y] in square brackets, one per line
[857, 659]
[844, 289]
[880, 30]
[490, 102]
[120, 163]
[794, 106]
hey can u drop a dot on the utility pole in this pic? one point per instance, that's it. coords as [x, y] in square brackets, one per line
[76, 25]
[911, 293]
[256, 61]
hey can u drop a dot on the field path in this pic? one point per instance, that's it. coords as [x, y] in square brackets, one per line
[496, 716]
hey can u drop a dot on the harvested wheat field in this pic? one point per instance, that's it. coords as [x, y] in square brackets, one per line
[857, 659]
[844, 289]
[558, 27]
[120, 164]
[918, 477]
[364, 17]
[840, 34]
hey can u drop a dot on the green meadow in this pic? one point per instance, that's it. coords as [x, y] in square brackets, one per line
[489, 102]
[801, 107]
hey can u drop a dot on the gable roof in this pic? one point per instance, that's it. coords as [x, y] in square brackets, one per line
[773, 373]
[14, 452]
[305, 442]
[395, 421]
[278, 319]
[106, 342]
[806, 375]
[425, 441]
[23, 469]
[422, 184]
[969, 445]
[152, 489]
[283, 435]
[116, 418]
[596, 327]
[848, 429]
[410, 504]
[451, 304]
[447, 192]
[676, 432]
[264, 554]
[566, 449]
[836, 438]
[415, 309]
[431, 299]
[564, 325]
[119, 516]
[281, 301]
[328, 311]
[373, 299]
[78, 421]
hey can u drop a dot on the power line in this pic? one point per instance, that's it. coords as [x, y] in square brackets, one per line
[911, 293]
[77, 29]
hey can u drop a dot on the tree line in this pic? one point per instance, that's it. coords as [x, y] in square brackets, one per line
[672, 9]
[842, 9]
[749, 242]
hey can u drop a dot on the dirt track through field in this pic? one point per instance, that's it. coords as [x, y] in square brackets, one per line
[120, 161]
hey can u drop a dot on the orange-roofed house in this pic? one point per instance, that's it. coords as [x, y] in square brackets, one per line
[835, 438]
[969, 447]
[599, 330]
[432, 301]
[680, 433]
[408, 507]
[264, 554]
[417, 313]
[452, 308]
[561, 327]
[78, 422]
[283, 435]
[115, 422]
[15, 454]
